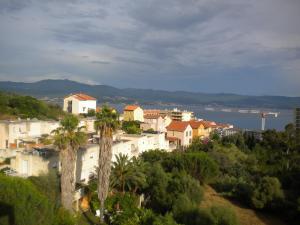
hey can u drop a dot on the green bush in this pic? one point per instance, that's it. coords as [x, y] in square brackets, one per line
[21, 203]
[267, 193]
[223, 215]
[131, 127]
[164, 189]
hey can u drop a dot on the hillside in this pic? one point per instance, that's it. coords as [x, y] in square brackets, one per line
[245, 216]
[13, 106]
[104, 93]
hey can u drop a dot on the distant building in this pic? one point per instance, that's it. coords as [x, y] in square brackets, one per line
[155, 122]
[178, 115]
[180, 133]
[79, 103]
[133, 113]
[200, 129]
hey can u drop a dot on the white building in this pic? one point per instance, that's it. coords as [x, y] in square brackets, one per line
[79, 103]
[155, 122]
[15, 134]
[180, 133]
[36, 161]
[178, 115]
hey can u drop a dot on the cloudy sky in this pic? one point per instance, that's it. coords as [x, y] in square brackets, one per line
[236, 46]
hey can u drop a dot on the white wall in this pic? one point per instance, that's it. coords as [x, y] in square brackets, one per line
[79, 107]
[85, 106]
[139, 114]
[185, 136]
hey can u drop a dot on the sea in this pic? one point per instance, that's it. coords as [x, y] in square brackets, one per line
[243, 118]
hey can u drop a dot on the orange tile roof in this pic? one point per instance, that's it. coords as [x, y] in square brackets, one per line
[208, 124]
[82, 97]
[151, 112]
[130, 107]
[178, 126]
[151, 116]
[195, 124]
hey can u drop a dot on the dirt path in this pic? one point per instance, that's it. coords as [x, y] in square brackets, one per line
[246, 216]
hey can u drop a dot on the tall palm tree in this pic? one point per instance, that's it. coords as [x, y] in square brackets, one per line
[67, 138]
[107, 122]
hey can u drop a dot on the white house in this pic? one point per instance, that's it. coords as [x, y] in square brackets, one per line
[79, 103]
[180, 133]
[153, 122]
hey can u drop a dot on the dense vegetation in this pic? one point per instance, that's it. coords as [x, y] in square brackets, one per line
[32, 201]
[167, 188]
[14, 106]
[263, 174]
[131, 127]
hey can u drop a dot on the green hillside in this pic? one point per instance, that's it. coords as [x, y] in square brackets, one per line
[14, 106]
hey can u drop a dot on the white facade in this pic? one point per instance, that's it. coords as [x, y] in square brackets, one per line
[187, 116]
[88, 123]
[34, 163]
[79, 104]
[185, 137]
[13, 133]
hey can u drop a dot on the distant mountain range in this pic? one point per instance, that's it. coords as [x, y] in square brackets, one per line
[50, 89]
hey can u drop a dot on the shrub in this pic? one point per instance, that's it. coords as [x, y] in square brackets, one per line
[223, 215]
[200, 166]
[22, 203]
[267, 192]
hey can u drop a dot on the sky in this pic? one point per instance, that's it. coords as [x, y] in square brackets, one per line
[213, 46]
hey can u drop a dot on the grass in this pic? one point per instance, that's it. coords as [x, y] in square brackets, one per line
[245, 215]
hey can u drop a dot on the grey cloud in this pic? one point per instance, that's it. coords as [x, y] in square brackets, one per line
[192, 41]
[100, 62]
[7, 6]
[176, 14]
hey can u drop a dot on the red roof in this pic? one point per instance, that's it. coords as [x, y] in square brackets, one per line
[208, 124]
[151, 116]
[151, 112]
[82, 97]
[195, 124]
[131, 107]
[178, 126]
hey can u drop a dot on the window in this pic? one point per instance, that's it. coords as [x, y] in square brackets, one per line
[83, 109]
[190, 133]
[186, 133]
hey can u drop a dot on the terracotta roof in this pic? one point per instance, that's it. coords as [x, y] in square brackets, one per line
[195, 124]
[82, 97]
[151, 116]
[223, 125]
[208, 124]
[130, 107]
[151, 112]
[178, 126]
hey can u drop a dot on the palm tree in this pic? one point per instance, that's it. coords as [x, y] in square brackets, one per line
[127, 174]
[107, 122]
[67, 138]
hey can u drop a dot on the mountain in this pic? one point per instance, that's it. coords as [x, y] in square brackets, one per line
[59, 88]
